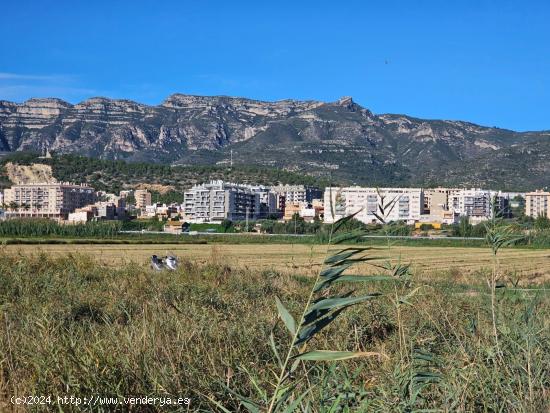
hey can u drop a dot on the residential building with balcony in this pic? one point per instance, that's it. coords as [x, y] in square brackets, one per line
[406, 204]
[48, 200]
[297, 193]
[219, 200]
[142, 197]
[479, 204]
[537, 204]
[436, 200]
[268, 200]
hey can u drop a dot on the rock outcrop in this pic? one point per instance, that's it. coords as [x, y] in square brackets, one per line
[309, 136]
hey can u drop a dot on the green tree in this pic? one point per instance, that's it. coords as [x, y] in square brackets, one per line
[130, 199]
[542, 222]
[463, 228]
[226, 225]
[517, 206]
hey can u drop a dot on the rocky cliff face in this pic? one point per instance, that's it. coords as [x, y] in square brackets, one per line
[310, 136]
[119, 128]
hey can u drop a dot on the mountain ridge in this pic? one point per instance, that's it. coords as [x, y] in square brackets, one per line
[166, 103]
[340, 138]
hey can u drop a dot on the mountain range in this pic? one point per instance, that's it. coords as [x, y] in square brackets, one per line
[340, 139]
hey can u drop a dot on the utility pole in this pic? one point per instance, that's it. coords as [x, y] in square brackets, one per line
[231, 162]
[247, 219]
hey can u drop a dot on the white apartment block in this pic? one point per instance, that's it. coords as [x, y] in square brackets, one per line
[473, 203]
[407, 203]
[477, 204]
[537, 204]
[46, 200]
[219, 200]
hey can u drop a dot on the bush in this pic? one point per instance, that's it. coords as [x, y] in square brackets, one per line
[142, 224]
[541, 223]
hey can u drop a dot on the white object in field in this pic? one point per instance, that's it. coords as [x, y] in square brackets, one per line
[171, 262]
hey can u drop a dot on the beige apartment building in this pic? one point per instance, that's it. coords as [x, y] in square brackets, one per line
[436, 200]
[143, 198]
[537, 204]
[46, 200]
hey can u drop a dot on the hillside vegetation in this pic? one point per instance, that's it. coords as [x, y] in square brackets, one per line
[341, 139]
[113, 176]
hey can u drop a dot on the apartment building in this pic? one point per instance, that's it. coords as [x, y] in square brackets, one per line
[268, 200]
[219, 200]
[537, 204]
[46, 200]
[142, 197]
[508, 203]
[125, 193]
[479, 204]
[473, 203]
[436, 209]
[407, 204]
[436, 200]
[297, 193]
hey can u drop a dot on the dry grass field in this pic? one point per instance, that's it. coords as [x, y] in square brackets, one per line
[529, 264]
[102, 323]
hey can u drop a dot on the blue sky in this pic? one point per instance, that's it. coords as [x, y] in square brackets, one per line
[483, 61]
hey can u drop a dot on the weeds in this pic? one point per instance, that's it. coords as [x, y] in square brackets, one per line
[70, 325]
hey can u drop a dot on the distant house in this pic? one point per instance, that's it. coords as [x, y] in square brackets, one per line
[175, 227]
[80, 216]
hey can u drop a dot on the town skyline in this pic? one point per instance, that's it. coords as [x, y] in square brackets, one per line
[218, 201]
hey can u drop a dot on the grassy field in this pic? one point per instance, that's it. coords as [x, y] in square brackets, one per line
[530, 265]
[96, 320]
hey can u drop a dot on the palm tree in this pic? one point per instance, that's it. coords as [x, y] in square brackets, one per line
[25, 206]
[13, 206]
